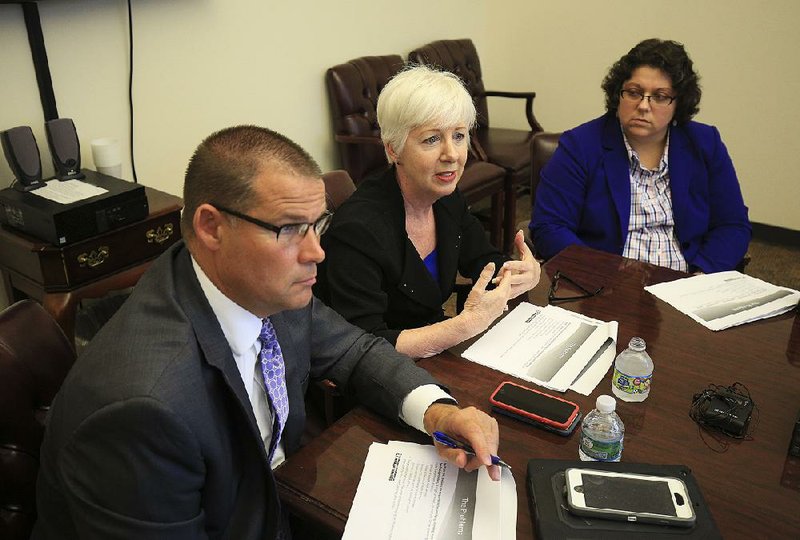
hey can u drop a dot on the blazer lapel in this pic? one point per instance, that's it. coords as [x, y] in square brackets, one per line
[446, 228]
[213, 345]
[680, 173]
[617, 170]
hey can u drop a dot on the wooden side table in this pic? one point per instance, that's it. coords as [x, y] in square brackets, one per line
[60, 277]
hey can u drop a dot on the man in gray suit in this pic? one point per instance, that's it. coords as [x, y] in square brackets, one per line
[163, 428]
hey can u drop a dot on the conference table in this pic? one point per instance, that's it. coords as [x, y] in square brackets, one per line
[751, 486]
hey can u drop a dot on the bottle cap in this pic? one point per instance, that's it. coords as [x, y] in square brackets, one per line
[606, 404]
[637, 344]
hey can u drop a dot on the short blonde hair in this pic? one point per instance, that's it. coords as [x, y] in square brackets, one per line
[418, 96]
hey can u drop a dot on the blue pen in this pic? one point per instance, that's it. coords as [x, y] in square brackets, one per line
[447, 440]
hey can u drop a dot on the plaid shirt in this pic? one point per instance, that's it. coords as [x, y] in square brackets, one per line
[651, 235]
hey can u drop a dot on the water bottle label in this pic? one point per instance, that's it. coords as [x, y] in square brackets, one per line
[601, 450]
[631, 385]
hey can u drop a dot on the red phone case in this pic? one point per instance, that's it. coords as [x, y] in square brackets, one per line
[532, 416]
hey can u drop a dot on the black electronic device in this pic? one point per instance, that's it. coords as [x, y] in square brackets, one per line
[726, 409]
[542, 410]
[64, 147]
[121, 202]
[22, 154]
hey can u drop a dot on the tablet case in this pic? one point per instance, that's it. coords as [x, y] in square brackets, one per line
[552, 519]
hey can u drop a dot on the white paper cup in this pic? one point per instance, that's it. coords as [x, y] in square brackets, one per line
[107, 156]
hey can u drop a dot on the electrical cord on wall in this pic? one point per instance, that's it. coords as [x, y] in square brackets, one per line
[130, 89]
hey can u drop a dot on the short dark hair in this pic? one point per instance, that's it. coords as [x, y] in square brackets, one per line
[223, 168]
[668, 56]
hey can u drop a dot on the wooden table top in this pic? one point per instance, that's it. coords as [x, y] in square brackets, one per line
[752, 487]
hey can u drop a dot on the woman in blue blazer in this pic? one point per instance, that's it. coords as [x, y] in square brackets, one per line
[643, 180]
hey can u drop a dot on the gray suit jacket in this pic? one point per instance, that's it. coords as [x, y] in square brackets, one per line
[152, 434]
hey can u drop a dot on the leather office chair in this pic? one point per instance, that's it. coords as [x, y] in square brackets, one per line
[543, 145]
[35, 356]
[508, 148]
[353, 89]
[338, 188]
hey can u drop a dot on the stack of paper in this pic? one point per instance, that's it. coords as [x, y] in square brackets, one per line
[408, 491]
[725, 299]
[550, 346]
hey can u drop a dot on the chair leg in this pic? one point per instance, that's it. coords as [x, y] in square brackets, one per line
[509, 215]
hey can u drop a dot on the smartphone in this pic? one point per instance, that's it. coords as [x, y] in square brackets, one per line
[542, 410]
[629, 497]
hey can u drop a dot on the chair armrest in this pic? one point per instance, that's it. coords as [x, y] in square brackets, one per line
[358, 139]
[527, 96]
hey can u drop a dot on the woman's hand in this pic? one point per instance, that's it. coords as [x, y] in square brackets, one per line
[525, 272]
[483, 307]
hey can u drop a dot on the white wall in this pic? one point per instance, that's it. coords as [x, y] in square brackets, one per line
[201, 65]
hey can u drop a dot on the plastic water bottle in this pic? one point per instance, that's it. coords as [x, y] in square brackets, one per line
[633, 372]
[602, 432]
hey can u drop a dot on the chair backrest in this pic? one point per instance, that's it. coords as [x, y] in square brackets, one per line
[35, 356]
[338, 188]
[543, 145]
[353, 89]
[457, 56]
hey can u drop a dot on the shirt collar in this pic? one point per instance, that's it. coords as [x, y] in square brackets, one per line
[240, 327]
[633, 157]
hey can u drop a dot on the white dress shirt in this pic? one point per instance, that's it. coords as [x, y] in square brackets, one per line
[242, 329]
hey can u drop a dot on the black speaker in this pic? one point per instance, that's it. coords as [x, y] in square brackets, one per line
[65, 148]
[22, 153]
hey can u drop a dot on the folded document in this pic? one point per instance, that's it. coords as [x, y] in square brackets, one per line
[549, 346]
[725, 299]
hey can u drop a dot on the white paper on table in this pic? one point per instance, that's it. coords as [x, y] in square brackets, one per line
[549, 346]
[408, 491]
[68, 191]
[725, 299]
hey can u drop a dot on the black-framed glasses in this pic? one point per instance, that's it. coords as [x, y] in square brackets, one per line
[558, 277]
[289, 233]
[636, 96]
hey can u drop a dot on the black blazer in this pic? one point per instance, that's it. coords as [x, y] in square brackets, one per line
[152, 434]
[372, 273]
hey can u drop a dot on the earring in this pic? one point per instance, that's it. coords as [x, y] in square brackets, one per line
[674, 122]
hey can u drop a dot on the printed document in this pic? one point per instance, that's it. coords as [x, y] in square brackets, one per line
[549, 346]
[408, 491]
[68, 191]
[725, 299]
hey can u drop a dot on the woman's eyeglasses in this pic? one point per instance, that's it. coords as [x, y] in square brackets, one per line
[557, 278]
[635, 96]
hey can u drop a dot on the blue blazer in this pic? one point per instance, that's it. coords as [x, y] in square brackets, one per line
[584, 195]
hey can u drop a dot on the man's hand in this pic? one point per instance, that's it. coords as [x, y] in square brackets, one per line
[470, 425]
[525, 272]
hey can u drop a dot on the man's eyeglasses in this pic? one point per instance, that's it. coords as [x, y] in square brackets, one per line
[557, 278]
[635, 96]
[285, 234]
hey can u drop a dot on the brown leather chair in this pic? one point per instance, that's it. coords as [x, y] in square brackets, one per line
[508, 148]
[35, 356]
[338, 188]
[353, 89]
[543, 146]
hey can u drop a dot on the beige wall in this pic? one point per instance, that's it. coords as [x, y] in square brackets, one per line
[204, 64]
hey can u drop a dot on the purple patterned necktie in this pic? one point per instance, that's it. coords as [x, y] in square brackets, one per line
[272, 368]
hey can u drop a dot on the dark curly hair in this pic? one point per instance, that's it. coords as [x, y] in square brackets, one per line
[668, 56]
